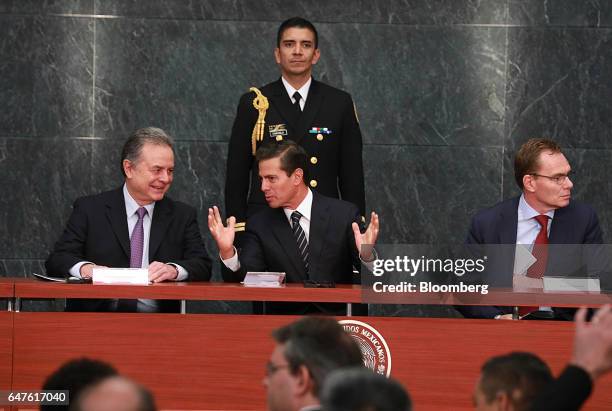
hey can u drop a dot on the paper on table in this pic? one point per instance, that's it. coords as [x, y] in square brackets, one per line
[264, 279]
[572, 284]
[139, 276]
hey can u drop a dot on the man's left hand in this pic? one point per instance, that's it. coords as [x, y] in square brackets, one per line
[366, 239]
[159, 272]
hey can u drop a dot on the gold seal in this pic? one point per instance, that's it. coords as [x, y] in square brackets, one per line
[320, 137]
[313, 160]
[260, 102]
[313, 183]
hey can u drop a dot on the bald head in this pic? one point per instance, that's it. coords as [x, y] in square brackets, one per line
[115, 394]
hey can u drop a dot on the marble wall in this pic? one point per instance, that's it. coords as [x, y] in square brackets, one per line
[446, 90]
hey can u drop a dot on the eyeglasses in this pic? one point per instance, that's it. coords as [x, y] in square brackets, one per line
[273, 368]
[557, 179]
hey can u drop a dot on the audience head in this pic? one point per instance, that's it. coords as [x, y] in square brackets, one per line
[283, 169]
[75, 376]
[114, 394]
[360, 389]
[147, 162]
[511, 382]
[541, 171]
[306, 352]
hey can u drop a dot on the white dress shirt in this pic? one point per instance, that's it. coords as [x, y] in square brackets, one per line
[302, 90]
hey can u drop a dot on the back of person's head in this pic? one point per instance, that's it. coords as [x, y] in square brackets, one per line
[300, 23]
[360, 389]
[518, 377]
[528, 156]
[291, 155]
[114, 394]
[147, 135]
[75, 376]
[321, 345]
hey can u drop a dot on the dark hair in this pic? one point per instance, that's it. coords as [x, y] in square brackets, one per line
[321, 345]
[292, 156]
[360, 389]
[298, 22]
[75, 376]
[146, 402]
[526, 160]
[515, 372]
[133, 146]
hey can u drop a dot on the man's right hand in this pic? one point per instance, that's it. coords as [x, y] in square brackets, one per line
[223, 236]
[86, 270]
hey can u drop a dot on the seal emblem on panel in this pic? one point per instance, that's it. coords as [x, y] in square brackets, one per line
[374, 348]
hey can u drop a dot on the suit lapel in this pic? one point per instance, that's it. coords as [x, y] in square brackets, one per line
[162, 215]
[282, 231]
[313, 103]
[319, 220]
[115, 212]
[559, 222]
[282, 103]
[509, 223]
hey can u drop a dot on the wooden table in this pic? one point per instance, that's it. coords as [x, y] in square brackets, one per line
[216, 362]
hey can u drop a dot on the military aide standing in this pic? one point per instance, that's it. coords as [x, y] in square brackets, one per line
[318, 117]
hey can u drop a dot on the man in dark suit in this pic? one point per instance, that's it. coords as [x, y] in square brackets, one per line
[320, 118]
[134, 226]
[304, 234]
[542, 215]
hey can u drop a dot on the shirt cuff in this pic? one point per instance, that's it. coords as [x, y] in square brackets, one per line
[182, 273]
[75, 270]
[233, 263]
[370, 264]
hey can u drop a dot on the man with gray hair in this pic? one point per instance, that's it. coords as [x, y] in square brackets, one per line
[134, 226]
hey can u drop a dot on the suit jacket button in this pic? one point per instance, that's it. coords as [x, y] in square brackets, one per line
[313, 183]
[320, 137]
[313, 160]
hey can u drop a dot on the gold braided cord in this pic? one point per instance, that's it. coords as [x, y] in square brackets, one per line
[260, 102]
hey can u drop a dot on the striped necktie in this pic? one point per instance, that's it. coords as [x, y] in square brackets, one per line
[300, 237]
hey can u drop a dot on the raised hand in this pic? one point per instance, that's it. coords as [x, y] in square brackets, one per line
[223, 236]
[368, 238]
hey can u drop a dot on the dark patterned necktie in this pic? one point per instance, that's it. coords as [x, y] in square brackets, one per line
[297, 97]
[300, 237]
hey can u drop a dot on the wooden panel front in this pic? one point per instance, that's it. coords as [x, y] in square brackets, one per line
[190, 362]
[216, 362]
[6, 349]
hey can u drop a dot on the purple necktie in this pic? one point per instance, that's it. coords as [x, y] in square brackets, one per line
[137, 240]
